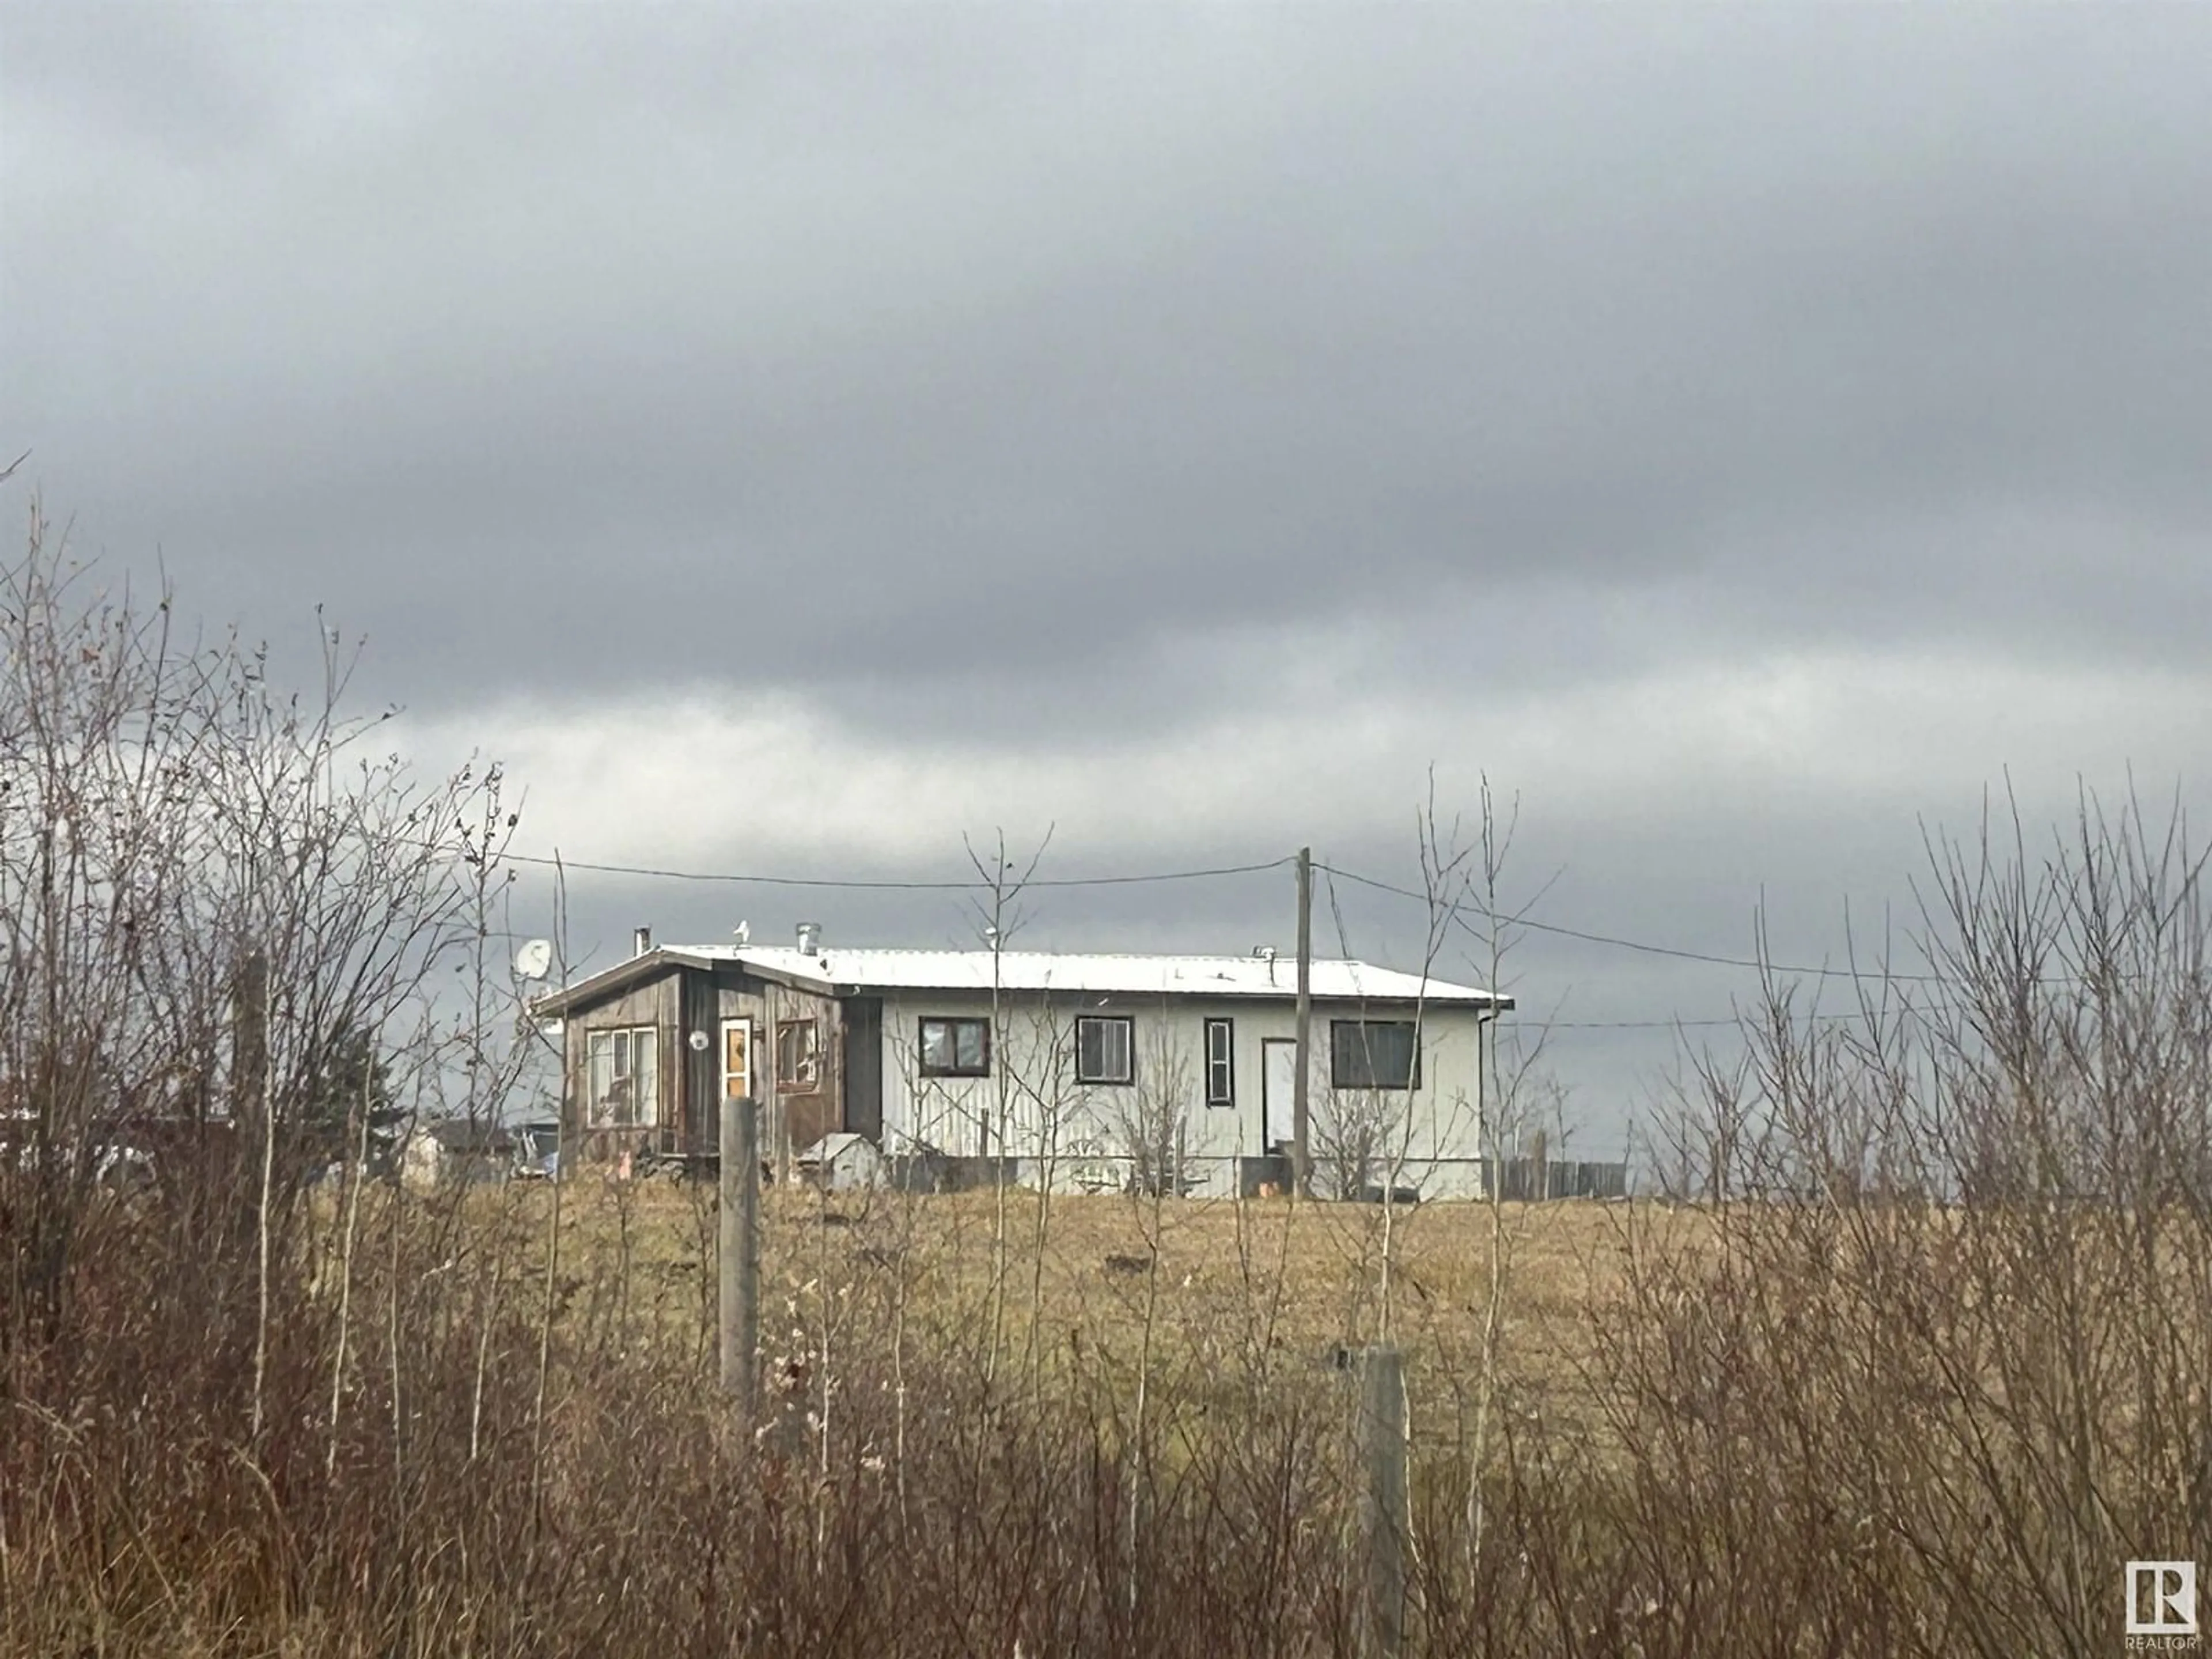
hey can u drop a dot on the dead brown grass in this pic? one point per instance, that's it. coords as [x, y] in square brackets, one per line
[1308, 1273]
[1711, 1427]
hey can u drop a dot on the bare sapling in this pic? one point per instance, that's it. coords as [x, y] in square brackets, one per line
[1510, 1069]
[1000, 915]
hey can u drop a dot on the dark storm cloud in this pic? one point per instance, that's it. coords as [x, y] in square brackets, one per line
[985, 347]
[1818, 396]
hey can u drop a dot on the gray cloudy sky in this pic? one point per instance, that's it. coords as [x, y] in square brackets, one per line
[794, 436]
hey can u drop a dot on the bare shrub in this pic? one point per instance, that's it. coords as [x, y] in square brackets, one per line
[1932, 1371]
[1151, 1116]
[1914, 1363]
[1353, 1132]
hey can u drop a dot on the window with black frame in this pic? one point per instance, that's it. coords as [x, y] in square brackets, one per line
[1374, 1053]
[1220, 1063]
[1105, 1049]
[955, 1048]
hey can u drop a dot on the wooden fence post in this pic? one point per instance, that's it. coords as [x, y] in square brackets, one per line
[1382, 1500]
[249, 1026]
[740, 1252]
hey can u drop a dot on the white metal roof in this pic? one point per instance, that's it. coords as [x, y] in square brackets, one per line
[1335, 980]
[831, 968]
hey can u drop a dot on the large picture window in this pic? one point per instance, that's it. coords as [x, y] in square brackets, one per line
[956, 1048]
[1105, 1049]
[624, 1081]
[1374, 1053]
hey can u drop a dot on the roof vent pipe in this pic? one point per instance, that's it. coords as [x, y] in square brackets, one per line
[810, 937]
[641, 941]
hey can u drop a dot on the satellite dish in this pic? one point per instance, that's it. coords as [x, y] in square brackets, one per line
[533, 959]
[698, 1041]
[743, 932]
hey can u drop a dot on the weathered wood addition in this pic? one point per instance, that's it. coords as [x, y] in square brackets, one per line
[648, 1048]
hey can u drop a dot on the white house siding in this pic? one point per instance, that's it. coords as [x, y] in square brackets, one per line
[1072, 1135]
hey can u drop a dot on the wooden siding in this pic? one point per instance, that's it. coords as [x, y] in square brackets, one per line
[675, 1003]
[701, 1113]
[809, 1114]
[653, 1004]
[806, 1115]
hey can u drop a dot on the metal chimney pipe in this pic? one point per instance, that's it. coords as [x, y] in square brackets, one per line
[641, 941]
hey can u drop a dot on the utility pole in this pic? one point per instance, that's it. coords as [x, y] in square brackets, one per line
[1301, 1146]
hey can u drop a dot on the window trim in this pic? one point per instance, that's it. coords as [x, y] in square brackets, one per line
[801, 1079]
[952, 1021]
[739, 1023]
[1224, 1064]
[1128, 1024]
[631, 1037]
[1336, 1030]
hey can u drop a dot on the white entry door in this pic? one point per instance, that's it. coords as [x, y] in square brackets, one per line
[1279, 1082]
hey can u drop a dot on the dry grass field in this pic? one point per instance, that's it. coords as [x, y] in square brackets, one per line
[1217, 1288]
[1211, 1254]
[490, 1423]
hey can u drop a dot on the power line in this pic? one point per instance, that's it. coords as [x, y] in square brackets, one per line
[1633, 1025]
[1736, 1020]
[1146, 878]
[1213, 872]
[968, 887]
[1142, 878]
[1618, 943]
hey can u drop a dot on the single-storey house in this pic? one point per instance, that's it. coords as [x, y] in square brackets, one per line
[1071, 1071]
